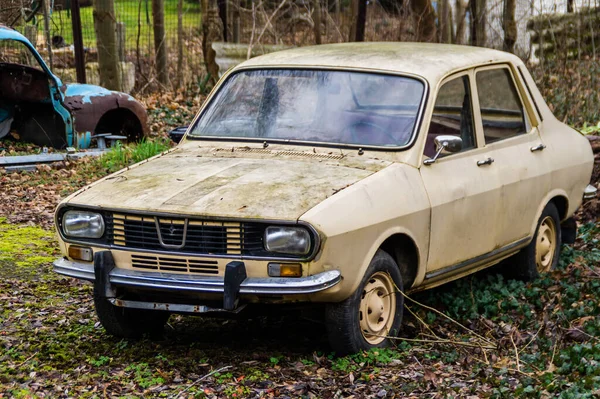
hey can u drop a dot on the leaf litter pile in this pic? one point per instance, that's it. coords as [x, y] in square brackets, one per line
[482, 336]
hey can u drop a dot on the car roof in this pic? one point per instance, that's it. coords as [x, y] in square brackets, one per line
[431, 61]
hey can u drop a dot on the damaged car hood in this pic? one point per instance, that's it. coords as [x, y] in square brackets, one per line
[229, 187]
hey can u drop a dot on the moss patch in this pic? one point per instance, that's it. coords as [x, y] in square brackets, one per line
[24, 250]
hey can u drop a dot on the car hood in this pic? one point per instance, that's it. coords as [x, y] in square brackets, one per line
[84, 93]
[231, 187]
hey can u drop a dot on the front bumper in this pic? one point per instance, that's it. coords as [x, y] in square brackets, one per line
[201, 284]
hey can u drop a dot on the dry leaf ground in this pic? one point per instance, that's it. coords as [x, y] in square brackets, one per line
[536, 340]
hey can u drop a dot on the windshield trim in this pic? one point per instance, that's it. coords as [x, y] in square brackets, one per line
[231, 73]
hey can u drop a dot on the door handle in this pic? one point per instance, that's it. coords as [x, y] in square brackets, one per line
[539, 147]
[488, 161]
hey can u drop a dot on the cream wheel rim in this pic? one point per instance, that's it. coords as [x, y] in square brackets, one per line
[545, 246]
[377, 308]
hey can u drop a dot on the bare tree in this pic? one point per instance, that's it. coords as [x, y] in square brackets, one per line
[425, 14]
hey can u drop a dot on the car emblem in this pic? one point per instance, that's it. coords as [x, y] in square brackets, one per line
[172, 230]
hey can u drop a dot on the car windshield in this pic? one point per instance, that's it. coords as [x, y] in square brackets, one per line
[314, 106]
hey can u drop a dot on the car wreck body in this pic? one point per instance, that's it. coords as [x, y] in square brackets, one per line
[36, 107]
[312, 176]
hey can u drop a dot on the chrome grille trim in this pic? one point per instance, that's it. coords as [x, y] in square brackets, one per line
[168, 264]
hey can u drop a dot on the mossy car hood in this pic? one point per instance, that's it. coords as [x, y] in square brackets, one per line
[214, 185]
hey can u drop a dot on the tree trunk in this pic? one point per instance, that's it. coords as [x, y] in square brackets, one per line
[106, 37]
[236, 21]
[212, 31]
[445, 22]
[478, 23]
[570, 6]
[353, 18]
[461, 19]
[425, 15]
[361, 21]
[46, 7]
[160, 44]
[510, 25]
[317, 20]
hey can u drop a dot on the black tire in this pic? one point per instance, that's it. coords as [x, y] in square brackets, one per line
[524, 265]
[129, 323]
[343, 319]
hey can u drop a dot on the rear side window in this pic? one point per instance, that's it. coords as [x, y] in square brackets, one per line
[502, 111]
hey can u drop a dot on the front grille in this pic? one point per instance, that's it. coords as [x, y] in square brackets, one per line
[194, 236]
[162, 263]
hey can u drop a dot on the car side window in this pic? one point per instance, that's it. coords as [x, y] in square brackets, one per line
[502, 111]
[452, 115]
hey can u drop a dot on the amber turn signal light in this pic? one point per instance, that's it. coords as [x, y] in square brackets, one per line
[285, 270]
[81, 253]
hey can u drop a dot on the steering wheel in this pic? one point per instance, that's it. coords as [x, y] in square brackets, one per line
[378, 129]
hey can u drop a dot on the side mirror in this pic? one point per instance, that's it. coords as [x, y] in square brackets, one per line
[445, 143]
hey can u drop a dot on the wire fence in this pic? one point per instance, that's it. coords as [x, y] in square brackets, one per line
[257, 23]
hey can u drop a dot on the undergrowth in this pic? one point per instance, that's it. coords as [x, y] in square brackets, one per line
[120, 156]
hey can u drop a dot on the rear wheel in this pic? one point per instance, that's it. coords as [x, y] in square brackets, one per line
[543, 252]
[129, 323]
[372, 314]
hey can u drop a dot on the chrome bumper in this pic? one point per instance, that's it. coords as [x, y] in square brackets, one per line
[201, 284]
[590, 192]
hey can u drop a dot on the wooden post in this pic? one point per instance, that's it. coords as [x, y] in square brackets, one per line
[121, 35]
[179, 44]
[160, 43]
[317, 20]
[78, 42]
[106, 39]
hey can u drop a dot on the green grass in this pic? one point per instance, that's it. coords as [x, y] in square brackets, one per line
[121, 156]
[128, 12]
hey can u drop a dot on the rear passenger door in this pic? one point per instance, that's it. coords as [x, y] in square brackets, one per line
[513, 142]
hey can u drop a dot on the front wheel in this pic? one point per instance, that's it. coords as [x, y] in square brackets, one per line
[372, 314]
[129, 323]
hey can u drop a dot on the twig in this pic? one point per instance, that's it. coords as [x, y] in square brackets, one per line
[516, 351]
[446, 316]
[268, 23]
[532, 339]
[26, 360]
[200, 379]
[440, 341]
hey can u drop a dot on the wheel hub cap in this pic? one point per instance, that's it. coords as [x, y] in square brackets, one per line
[377, 308]
[545, 244]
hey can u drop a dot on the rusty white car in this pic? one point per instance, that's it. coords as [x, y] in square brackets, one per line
[335, 176]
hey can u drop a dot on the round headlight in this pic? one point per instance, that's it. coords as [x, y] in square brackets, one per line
[287, 240]
[83, 224]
